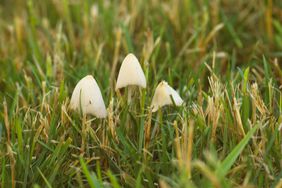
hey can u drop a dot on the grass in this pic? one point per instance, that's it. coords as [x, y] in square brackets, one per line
[223, 57]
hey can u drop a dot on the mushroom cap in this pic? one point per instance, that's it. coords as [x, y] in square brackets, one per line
[162, 96]
[87, 97]
[130, 73]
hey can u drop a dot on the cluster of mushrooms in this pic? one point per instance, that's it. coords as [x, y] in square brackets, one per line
[87, 98]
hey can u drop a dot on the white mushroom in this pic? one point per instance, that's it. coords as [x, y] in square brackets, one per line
[164, 95]
[87, 98]
[130, 74]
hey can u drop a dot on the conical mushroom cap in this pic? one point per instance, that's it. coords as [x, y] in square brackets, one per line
[130, 73]
[87, 97]
[162, 96]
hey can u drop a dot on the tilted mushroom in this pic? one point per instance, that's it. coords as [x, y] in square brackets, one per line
[87, 98]
[130, 74]
[164, 94]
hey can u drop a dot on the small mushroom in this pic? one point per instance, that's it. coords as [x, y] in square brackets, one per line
[164, 94]
[87, 98]
[130, 74]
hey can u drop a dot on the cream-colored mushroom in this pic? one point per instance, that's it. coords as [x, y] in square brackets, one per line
[87, 98]
[164, 94]
[130, 74]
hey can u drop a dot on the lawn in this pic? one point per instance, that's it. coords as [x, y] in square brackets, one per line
[222, 57]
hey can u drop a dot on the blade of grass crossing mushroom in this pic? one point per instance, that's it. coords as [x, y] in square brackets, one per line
[173, 102]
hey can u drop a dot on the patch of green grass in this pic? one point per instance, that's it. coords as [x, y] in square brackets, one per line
[223, 57]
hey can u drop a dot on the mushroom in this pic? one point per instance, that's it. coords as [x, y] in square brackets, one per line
[130, 74]
[87, 98]
[164, 94]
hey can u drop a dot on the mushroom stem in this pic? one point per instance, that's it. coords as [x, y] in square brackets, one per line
[147, 133]
[158, 123]
[129, 98]
[129, 94]
[160, 117]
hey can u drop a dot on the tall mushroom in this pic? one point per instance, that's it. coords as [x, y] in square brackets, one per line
[164, 94]
[87, 98]
[130, 74]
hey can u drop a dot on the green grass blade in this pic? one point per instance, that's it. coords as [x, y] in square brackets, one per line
[231, 158]
[44, 178]
[113, 180]
[91, 178]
